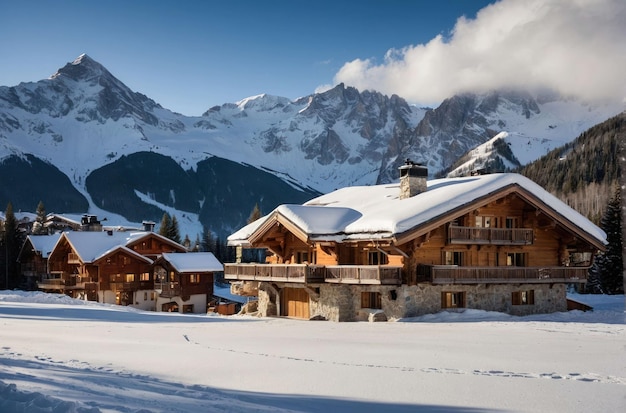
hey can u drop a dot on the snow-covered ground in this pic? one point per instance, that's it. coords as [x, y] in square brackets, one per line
[62, 355]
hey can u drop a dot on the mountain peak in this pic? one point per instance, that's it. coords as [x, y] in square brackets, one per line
[82, 68]
[82, 58]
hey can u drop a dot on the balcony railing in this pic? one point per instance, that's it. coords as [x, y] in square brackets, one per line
[65, 282]
[363, 274]
[274, 272]
[51, 284]
[168, 289]
[452, 274]
[303, 273]
[131, 286]
[495, 236]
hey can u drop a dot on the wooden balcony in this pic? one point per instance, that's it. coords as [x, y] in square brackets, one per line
[364, 274]
[64, 282]
[494, 236]
[168, 289]
[452, 274]
[297, 273]
[51, 284]
[131, 286]
[303, 273]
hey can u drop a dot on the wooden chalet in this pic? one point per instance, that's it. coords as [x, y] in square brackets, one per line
[184, 282]
[494, 242]
[33, 258]
[107, 266]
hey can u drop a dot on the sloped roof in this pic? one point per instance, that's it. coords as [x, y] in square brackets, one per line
[121, 248]
[43, 243]
[193, 262]
[377, 212]
[91, 246]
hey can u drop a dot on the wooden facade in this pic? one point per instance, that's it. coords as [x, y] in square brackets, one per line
[508, 237]
[177, 286]
[108, 267]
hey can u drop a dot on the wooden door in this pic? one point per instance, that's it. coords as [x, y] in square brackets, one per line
[295, 303]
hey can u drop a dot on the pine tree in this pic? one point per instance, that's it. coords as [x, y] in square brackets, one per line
[174, 232]
[197, 246]
[38, 225]
[208, 244]
[165, 225]
[621, 160]
[255, 214]
[187, 242]
[11, 242]
[612, 262]
[594, 280]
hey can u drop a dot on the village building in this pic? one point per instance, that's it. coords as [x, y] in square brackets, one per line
[184, 282]
[494, 242]
[111, 267]
[33, 258]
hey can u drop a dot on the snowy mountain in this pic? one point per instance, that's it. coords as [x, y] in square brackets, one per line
[128, 155]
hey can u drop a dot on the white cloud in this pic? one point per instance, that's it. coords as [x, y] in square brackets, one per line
[576, 47]
[323, 88]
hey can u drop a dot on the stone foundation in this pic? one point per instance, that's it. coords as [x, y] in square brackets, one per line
[342, 302]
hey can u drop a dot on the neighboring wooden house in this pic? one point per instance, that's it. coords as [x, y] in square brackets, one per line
[108, 267]
[493, 242]
[33, 258]
[184, 282]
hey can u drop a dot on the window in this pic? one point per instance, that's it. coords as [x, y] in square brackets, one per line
[152, 295]
[376, 258]
[194, 278]
[486, 222]
[371, 300]
[523, 297]
[453, 299]
[515, 259]
[124, 260]
[145, 276]
[302, 257]
[145, 296]
[580, 259]
[453, 258]
[130, 278]
[512, 222]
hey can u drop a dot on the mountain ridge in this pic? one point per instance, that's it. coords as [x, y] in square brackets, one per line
[82, 119]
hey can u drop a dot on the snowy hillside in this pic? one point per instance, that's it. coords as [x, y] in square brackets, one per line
[67, 356]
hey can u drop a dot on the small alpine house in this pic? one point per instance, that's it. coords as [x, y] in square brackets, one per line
[494, 242]
[185, 281]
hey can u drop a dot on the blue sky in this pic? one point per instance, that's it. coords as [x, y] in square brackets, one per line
[191, 55]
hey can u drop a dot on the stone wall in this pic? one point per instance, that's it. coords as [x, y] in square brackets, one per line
[342, 302]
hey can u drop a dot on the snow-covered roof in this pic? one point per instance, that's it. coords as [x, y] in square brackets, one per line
[92, 245]
[44, 243]
[376, 212]
[193, 261]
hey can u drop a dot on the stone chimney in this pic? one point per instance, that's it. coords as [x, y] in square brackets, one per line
[413, 178]
[148, 226]
[90, 223]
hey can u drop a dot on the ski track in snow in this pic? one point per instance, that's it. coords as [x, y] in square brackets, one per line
[583, 377]
[131, 392]
[143, 394]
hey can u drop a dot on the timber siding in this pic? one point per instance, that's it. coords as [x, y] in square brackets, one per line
[506, 251]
